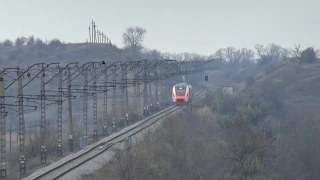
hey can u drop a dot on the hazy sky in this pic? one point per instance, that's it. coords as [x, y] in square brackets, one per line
[201, 26]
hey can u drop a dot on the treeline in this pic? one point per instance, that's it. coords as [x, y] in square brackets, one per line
[260, 55]
[271, 53]
[30, 41]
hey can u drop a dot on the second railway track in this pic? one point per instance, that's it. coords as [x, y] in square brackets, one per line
[69, 165]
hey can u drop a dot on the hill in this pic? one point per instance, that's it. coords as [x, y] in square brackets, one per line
[292, 89]
[290, 84]
[64, 53]
[288, 81]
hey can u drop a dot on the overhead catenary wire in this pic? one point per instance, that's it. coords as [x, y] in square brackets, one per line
[119, 75]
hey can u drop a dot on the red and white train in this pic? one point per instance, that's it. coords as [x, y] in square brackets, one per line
[182, 93]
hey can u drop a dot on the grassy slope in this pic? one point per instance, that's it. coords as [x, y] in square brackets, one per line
[234, 75]
[299, 82]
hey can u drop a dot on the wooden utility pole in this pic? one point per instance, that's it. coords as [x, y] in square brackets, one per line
[95, 33]
[89, 34]
[92, 30]
[99, 35]
[103, 37]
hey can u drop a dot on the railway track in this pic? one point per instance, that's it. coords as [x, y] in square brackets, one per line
[69, 165]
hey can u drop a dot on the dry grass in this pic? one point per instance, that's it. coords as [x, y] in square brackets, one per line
[299, 83]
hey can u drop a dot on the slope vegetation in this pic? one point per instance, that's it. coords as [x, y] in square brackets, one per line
[268, 131]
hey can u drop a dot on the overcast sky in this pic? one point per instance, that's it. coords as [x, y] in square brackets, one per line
[201, 26]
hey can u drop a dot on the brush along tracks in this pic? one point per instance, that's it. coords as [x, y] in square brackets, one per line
[103, 145]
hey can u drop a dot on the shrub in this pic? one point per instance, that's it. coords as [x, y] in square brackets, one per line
[7, 43]
[250, 81]
[55, 43]
[265, 60]
[270, 68]
[308, 55]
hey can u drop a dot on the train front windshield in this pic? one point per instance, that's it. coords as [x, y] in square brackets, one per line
[180, 90]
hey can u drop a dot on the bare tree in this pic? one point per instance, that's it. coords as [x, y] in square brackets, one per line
[237, 56]
[285, 53]
[166, 55]
[186, 55]
[194, 56]
[152, 54]
[247, 55]
[7, 43]
[274, 51]
[31, 41]
[308, 55]
[133, 37]
[20, 41]
[296, 51]
[155, 54]
[39, 43]
[177, 56]
[220, 53]
[317, 53]
[230, 51]
[270, 53]
[260, 49]
[55, 43]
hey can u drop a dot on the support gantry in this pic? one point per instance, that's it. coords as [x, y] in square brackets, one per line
[114, 99]
[21, 125]
[3, 166]
[43, 150]
[105, 104]
[59, 121]
[85, 106]
[70, 110]
[160, 75]
[122, 88]
[95, 111]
